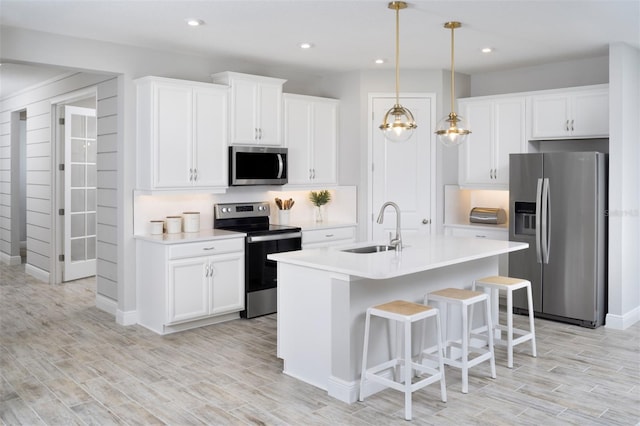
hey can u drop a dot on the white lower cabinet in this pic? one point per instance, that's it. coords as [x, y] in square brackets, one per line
[186, 285]
[325, 237]
[473, 231]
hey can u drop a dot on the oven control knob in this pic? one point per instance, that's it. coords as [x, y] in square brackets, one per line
[261, 208]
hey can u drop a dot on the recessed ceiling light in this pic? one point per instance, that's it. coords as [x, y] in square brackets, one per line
[195, 22]
[305, 45]
[379, 61]
[487, 49]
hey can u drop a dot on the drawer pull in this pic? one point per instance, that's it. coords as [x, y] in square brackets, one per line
[481, 236]
[329, 235]
[209, 248]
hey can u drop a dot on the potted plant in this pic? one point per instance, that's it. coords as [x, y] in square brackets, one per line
[319, 199]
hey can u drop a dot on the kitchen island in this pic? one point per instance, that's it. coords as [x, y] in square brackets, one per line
[323, 295]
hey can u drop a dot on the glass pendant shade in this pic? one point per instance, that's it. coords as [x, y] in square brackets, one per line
[452, 130]
[398, 124]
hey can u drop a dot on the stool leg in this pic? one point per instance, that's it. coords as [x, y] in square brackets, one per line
[465, 350]
[443, 385]
[492, 360]
[509, 328]
[408, 370]
[364, 355]
[531, 326]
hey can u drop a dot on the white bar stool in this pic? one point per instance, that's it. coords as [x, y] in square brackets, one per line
[509, 285]
[405, 313]
[465, 299]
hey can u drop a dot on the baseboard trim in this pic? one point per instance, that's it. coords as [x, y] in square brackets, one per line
[622, 322]
[37, 273]
[349, 391]
[10, 260]
[127, 317]
[106, 304]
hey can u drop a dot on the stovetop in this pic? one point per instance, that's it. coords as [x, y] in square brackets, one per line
[251, 218]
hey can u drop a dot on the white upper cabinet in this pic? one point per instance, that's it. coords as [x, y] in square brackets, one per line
[497, 129]
[255, 108]
[577, 113]
[182, 134]
[311, 136]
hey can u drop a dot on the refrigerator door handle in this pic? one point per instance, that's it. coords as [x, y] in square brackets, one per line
[546, 223]
[538, 209]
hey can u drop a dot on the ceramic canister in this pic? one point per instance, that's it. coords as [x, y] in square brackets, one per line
[174, 224]
[191, 222]
[156, 227]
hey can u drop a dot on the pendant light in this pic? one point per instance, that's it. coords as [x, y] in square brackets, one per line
[452, 130]
[398, 124]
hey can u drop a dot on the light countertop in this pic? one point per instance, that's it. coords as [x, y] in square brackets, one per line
[312, 225]
[419, 254]
[191, 237]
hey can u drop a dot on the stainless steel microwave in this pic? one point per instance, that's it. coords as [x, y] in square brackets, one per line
[257, 165]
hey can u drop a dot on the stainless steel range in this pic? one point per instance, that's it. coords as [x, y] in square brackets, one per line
[262, 239]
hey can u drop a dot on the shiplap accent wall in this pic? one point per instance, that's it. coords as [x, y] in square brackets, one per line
[107, 111]
[40, 153]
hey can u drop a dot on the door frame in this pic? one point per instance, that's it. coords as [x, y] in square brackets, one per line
[432, 148]
[57, 187]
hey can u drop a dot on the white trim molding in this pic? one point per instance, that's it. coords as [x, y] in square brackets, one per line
[622, 322]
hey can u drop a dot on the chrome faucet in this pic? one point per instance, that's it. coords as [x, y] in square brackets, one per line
[397, 241]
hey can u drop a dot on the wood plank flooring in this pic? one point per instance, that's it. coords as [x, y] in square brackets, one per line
[64, 362]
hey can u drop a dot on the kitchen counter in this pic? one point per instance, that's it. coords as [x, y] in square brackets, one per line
[323, 295]
[190, 237]
[312, 225]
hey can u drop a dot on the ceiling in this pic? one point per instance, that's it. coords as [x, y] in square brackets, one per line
[347, 35]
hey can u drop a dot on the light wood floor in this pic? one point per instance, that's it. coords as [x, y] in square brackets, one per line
[63, 361]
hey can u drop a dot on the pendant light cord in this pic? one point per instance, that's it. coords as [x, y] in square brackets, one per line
[452, 72]
[397, 7]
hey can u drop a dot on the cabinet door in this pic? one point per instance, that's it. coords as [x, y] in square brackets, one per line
[297, 135]
[550, 116]
[324, 132]
[590, 114]
[188, 289]
[210, 137]
[244, 124]
[509, 122]
[227, 283]
[269, 114]
[476, 155]
[172, 127]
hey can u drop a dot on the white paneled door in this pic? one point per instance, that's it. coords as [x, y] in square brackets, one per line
[80, 192]
[403, 172]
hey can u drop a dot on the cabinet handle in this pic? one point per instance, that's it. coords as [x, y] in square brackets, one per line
[195, 175]
[260, 130]
[566, 125]
[212, 270]
[572, 125]
[310, 175]
[328, 235]
[209, 248]
[426, 221]
[255, 133]
[314, 173]
[190, 175]
[206, 270]
[481, 236]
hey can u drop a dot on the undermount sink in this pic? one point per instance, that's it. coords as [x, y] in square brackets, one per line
[370, 249]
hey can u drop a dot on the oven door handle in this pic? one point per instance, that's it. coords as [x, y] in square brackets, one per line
[274, 237]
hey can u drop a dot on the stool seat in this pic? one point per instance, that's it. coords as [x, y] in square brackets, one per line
[466, 299]
[509, 285]
[404, 313]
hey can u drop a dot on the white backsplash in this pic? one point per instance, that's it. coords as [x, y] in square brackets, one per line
[459, 202]
[341, 209]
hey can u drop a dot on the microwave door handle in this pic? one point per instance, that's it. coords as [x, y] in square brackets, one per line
[280, 166]
[538, 211]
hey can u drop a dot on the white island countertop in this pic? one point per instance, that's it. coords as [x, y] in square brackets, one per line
[418, 254]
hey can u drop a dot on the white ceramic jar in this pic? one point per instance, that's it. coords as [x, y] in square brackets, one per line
[191, 221]
[174, 224]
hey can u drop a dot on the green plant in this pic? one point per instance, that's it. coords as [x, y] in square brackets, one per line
[320, 198]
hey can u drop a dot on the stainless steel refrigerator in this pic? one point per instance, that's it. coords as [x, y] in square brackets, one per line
[558, 205]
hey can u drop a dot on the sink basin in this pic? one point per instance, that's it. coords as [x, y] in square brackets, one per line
[370, 249]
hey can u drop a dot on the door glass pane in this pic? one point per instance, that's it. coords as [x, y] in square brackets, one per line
[78, 200]
[78, 150]
[77, 225]
[78, 126]
[91, 200]
[91, 128]
[92, 151]
[92, 176]
[78, 249]
[77, 175]
[91, 224]
[91, 248]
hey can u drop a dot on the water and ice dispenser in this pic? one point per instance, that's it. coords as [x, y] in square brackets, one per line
[525, 218]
